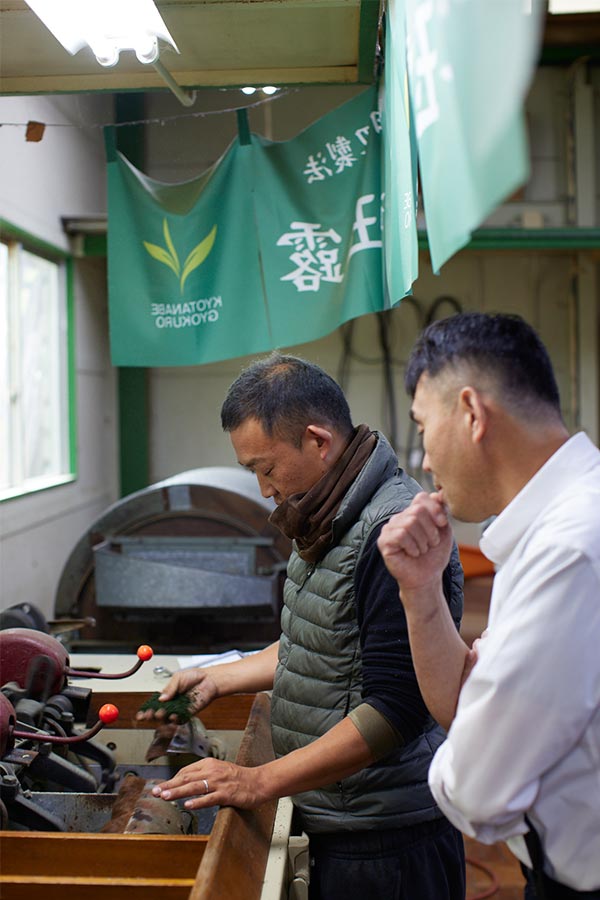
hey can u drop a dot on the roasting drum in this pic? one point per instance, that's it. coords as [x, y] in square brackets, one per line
[189, 563]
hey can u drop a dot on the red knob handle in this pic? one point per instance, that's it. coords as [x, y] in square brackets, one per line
[144, 653]
[108, 713]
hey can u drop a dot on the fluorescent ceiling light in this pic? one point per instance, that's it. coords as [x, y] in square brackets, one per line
[574, 6]
[107, 26]
[269, 89]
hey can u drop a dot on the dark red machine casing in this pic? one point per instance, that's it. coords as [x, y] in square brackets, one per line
[18, 649]
[7, 723]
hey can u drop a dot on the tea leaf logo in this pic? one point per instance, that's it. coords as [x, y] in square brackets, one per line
[198, 254]
[170, 258]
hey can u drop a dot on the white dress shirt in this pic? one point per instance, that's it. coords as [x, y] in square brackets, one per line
[526, 736]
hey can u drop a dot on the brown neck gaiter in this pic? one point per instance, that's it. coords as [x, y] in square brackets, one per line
[308, 518]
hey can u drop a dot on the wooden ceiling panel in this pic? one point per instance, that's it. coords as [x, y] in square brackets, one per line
[236, 42]
[221, 43]
[249, 38]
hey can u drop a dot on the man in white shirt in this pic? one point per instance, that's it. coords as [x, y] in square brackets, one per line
[522, 759]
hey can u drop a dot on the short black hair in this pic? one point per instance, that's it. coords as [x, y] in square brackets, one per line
[503, 346]
[286, 394]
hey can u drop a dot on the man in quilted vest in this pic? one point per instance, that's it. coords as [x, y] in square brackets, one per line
[351, 733]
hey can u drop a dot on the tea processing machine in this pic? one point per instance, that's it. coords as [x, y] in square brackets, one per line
[76, 809]
[193, 561]
[45, 746]
[192, 565]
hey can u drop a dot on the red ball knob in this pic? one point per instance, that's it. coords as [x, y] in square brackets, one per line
[108, 713]
[145, 652]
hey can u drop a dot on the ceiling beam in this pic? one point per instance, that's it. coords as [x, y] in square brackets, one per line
[571, 29]
[150, 81]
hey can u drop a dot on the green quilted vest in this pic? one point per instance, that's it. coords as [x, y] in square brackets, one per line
[318, 678]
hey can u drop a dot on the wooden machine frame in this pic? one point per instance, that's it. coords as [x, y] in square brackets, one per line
[227, 864]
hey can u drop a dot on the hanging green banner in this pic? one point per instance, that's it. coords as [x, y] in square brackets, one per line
[470, 63]
[182, 264]
[318, 211]
[277, 244]
[401, 251]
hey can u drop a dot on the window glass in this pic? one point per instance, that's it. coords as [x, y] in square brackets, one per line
[4, 370]
[33, 376]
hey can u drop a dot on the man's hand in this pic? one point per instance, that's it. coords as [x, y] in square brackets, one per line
[212, 782]
[199, 685]
[416, 543]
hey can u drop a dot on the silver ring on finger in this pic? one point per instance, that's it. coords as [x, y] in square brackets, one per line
[206, 788]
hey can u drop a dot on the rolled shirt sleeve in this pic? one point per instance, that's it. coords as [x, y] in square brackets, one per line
[379, 734]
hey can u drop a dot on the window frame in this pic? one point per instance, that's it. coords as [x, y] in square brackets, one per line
[12, 234]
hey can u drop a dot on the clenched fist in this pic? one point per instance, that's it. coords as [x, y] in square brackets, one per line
[416, 543]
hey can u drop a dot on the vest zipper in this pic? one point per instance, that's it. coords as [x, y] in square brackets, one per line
[307, 576]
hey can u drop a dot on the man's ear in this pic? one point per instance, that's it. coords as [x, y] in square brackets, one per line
[320, 439]
[474, 411]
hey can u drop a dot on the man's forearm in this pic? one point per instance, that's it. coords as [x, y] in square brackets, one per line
[440, 656]
[339, 753]
[214, 782]
[252, 673]
[416, 545]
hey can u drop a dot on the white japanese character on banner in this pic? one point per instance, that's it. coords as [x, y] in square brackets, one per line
[361, 226]
[363, 134]
[425, 66]
[341, 153]
[317, 168]
[314, 261]
[375, 117]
